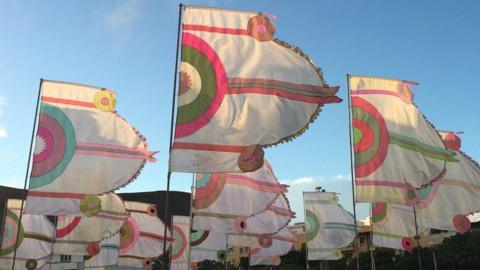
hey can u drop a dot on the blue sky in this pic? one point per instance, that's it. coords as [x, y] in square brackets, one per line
[129, 46]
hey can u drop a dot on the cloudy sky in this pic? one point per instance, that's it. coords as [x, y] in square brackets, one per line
[129, 46]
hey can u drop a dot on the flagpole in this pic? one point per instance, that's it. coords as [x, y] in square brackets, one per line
[169, 173]
[2, 221]
[192, 191]
[371, 247]
[305, 231]
[418, 239]
[434, 260]
[55, 223]
[32, 140]
[352, 171]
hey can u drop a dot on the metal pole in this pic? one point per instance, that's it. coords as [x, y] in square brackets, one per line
[371, 248]
[418, 239]
[305, 231]
[32, 140]
[192, 192]
[55, 223]
[434, 260]
[352, 171]
[2, 221]
[169, 173]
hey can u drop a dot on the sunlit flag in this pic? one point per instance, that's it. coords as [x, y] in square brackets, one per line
[34, 242]
[81, 235]
[179, 258]
[328, 225]
[105, 254]
[264, 246]
[206, 245]
[240, 90]
[445, 204]
[396, 148]
[393, 226]
[141, 236]
[223, 200]
[82, 147]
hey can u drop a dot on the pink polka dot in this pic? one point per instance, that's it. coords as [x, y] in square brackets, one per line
[105, 101]
[261, 28]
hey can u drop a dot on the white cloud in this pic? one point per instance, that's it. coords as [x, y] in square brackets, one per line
[3, 103]
[301, 181]
[123, 15]
[14, 182]
[343, 177]
[307, 180]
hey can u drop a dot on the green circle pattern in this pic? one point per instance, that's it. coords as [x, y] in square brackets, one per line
[202, 102]
[179, 238]
[197, 237]
[380, 216]
[10, 249]
[313, 225]
[366, 156]
[67, 125]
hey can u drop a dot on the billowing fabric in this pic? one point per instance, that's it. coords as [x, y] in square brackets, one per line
[393, 226]
[141, 236]
[82, 147]
[269, 220]
[179, 258]
[207, 245]
[328, 225]
[105, 254]
[264, 245]
[220, 198]
[445, 204]
[105, 216]
[34, 242]
[396, 148]
[265, 260]
[240, 90]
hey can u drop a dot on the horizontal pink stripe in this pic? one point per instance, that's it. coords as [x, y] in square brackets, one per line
[379, 183]
[107, 154]
[283, 94]
[209, 147]
[376, 92]
[281, 211]
[213, 29]
[247, 181]
[116, 147]
[62, 195]
[136, 152]
[317, 89]
[156, 236]
[107, 216]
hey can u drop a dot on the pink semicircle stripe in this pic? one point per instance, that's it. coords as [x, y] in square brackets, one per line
[187, 129]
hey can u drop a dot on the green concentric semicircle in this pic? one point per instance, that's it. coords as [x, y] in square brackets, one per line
[366, 156]
[196, 108]
[7, 250]
[313, 225]
[69, 151]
